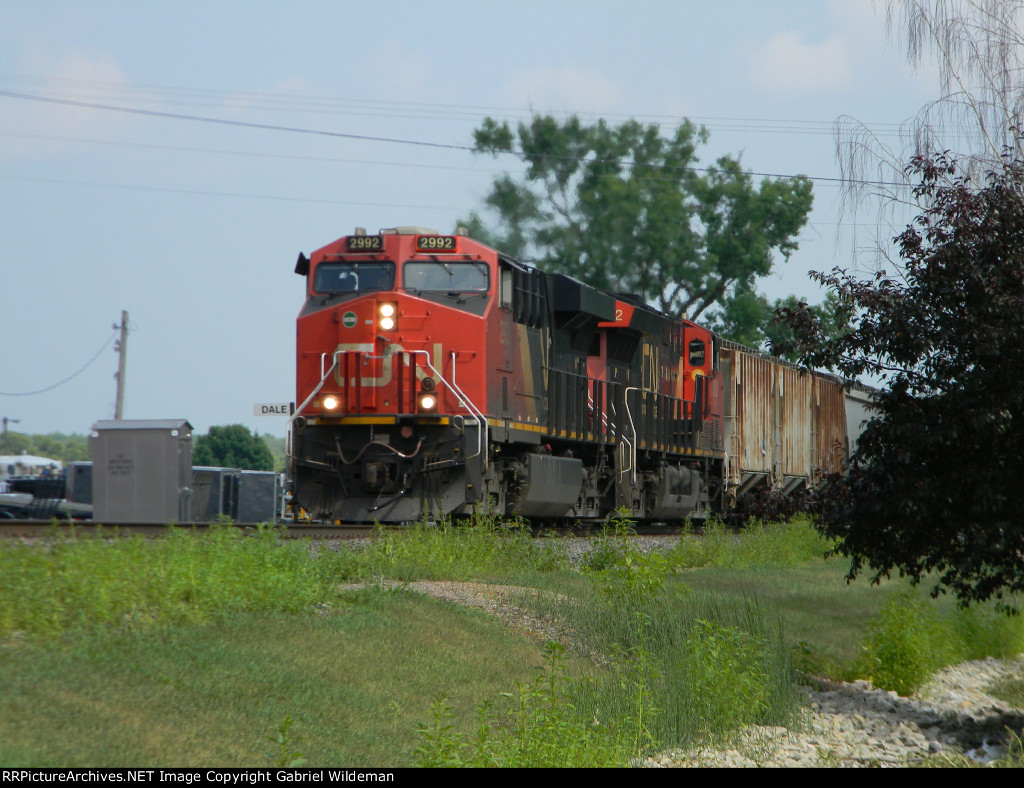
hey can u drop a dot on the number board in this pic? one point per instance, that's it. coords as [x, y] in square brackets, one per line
[435, 243]
[365, 243]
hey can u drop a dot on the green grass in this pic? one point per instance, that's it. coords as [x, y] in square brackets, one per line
[759, 545]
[891, 633]
[823, 617]
[227, 650]
[127, 583]
[356, 684]
[686, 666]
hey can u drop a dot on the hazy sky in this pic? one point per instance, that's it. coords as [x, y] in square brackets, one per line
[193, 226]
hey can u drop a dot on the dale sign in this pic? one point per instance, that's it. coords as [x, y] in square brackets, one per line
[272, 409]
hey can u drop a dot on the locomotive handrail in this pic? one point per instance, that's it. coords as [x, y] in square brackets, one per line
[298, 411]
[320, 385]
[623, 440]
[482, 425]
[632, 426]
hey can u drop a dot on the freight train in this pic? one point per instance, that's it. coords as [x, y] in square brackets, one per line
[437, 377]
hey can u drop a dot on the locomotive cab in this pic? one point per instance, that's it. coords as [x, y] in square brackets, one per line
[389, 374]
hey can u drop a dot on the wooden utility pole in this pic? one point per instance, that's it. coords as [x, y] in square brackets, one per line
[122, 350]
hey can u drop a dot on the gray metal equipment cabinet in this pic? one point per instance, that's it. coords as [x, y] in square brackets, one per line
[142, 471]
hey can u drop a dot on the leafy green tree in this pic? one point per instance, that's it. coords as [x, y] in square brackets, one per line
[233, 446]
[934, 491]
[751, 319]
[832, 319]
[745, 317]
[55, 445]
[629, 210]
[17, 443]
[277, 446]
[66, 448]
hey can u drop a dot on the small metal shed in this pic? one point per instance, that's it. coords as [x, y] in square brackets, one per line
[257, 497]
[244, 496]
[214, 493]
[142, 471]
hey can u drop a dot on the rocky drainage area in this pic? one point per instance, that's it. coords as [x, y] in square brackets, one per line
[856, 725]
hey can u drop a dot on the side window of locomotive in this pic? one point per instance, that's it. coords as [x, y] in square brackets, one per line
[346, 277]
[438, 277]
[697, 350]
[506, 289]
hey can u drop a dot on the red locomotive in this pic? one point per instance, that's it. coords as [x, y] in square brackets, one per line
[437, 377]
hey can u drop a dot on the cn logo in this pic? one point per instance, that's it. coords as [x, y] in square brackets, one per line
[385, 362]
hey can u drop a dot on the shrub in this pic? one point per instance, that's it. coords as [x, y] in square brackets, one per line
[906, 642]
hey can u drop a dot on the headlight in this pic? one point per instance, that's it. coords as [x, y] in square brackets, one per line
[428, 402]
[387, 317]
[331, 402]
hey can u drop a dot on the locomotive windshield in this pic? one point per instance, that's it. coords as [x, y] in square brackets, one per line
[437, 276]
[350, 277]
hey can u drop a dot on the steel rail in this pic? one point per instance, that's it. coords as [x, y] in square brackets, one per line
[14, 529]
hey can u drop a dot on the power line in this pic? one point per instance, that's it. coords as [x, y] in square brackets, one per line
[390, 108]
[392, 140]
[228, 122]
[264, 155]
[204, 193]
[68, 378]
[252, 154]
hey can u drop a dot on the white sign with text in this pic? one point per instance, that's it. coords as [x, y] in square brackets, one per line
[272, 409]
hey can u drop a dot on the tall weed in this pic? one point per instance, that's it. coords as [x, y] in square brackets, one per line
[682, 668]
[726, 676]
[458, 551]
[626, 576]
[758, 544]
[985, 631]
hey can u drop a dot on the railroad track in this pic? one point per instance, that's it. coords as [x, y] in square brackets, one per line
[12, 529]
[40, 528]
